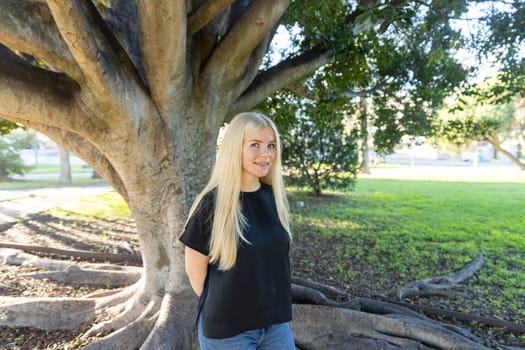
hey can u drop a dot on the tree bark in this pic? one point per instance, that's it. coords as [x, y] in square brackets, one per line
[507, 154]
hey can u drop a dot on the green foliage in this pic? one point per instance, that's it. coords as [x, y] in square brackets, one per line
[6, 126]
[107, 206]
[469, 119]
[419, 65]
[463, 131]
[10, 161]
[501, 35]
[406, 65]
[318, 151]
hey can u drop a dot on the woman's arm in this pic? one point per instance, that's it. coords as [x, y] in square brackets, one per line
[196, 268]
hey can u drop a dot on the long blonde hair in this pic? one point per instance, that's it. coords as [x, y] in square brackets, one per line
[228, 221]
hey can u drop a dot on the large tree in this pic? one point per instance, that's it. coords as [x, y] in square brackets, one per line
[139, 91]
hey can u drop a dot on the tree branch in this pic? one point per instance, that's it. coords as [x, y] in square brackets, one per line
[366, 92]
[281, 75]
[434, 285]
[493, 141]
[122, 20]
[109, 72]
[31, 93]
[89, 153]
[162, 30]
[302, 91]
[79, 146]
[228, 61]
[205, 13]
[27, 26]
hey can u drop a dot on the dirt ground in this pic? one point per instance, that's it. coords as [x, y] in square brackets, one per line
[311, 258]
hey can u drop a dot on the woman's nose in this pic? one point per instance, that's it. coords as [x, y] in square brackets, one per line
[265, 150]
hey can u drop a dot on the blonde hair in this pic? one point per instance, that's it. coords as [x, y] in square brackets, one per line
[228, 221]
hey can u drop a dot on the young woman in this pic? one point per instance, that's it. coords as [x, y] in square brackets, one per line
[237, 241]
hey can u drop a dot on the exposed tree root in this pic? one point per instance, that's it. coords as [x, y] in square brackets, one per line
[441, 284]
[306, 294]
[78, 275]
[140, 320]
[100, 294]
[367, 306]
[322, 327]
[323, 288]
[512, 326]
[178, 312]
[130, 335]
[46, 313]
[71, 272]
[117, 298]
[134, 258]
[121, 315]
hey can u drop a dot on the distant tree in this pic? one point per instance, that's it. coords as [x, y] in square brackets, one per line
[65, 166]
[319, 150]
[518, 125]
[10, 161]
[473, 121]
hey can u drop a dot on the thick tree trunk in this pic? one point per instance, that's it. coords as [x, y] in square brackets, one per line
[160, 195]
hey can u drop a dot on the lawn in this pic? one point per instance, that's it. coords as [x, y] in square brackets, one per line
[28, 184]
[388, 232]
[55, 168]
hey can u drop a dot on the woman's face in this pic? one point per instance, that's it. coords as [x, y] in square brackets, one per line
[258, 155]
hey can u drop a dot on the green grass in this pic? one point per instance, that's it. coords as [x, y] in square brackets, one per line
[107, 206]
[418, 229]
[27, 184]
[55, 168]
[49, 169]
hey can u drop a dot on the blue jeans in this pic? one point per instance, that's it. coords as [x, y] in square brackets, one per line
[278, 336]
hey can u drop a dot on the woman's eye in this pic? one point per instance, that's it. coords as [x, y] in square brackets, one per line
[255, 145]
[271, 146]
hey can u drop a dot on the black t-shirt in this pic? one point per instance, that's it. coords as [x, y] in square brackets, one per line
[255, 292]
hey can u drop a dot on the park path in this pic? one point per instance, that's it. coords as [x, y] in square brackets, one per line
[22, 203]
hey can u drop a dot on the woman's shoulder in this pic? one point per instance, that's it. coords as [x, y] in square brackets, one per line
[206, 204]
[209, 196]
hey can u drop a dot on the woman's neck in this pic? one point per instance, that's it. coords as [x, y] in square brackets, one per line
[251, 186]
